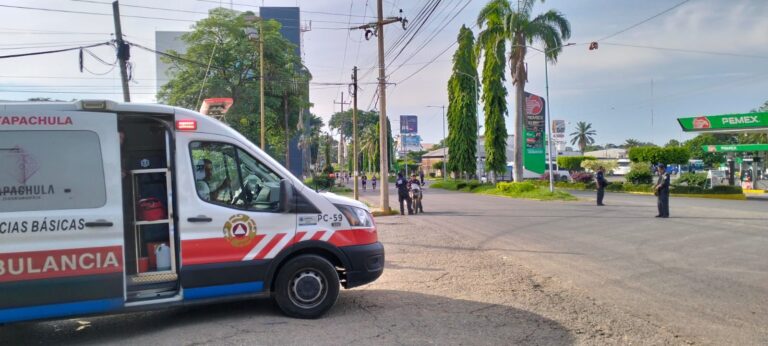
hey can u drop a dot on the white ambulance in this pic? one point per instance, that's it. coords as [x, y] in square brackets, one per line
[115, 207]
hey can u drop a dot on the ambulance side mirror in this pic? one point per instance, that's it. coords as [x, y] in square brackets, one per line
[287, 200]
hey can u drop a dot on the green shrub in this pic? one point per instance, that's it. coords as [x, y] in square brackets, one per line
[639, 173]
[572, 163]
[726, 189]
[445, 184]
[692, 179]
[638, 188]
[670, 155]
[682, 189]
[615, 187]
[513, 187]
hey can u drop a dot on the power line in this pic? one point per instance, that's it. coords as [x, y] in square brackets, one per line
[346, 42]
[434, 35]
[91, 13]
[53, 51]
[644, 21]
[133, 16]
[187, 11]
[433, 59]
[682, 50]
[415, 33]
[302, 11]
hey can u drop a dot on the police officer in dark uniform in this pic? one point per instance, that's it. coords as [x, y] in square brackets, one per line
[402, 193]
[600, 183]
[661, 190]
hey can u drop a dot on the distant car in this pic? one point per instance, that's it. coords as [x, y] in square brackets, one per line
[622, 167]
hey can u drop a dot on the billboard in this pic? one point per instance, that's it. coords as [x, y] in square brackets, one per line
[533, 133]
[558, 126]
[409, 124]
[410, 143]
[726, 122]
[558, 132]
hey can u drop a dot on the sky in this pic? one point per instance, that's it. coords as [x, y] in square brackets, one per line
[703, 57]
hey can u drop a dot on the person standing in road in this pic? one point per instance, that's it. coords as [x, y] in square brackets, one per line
[661, 190]
[364, 180]
[600, 183]
[421, 177]
[402, 193]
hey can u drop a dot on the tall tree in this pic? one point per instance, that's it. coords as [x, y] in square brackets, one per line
[462, 106]
[551, 28]
[583, 136]
[221, 39]
[492, 47]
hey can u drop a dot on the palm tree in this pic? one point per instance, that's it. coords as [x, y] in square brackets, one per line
[631, 143]
[369, 144]
[551, 28]
[584, 135]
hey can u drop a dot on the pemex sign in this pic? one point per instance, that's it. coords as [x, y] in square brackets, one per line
[725, 123]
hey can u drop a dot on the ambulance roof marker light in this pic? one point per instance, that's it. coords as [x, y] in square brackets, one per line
[94, 104]
[186, 125]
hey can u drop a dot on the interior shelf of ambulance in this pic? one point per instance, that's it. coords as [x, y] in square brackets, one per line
[153, 229]
[150, 239]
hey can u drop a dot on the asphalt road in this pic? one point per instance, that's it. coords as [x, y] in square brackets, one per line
[486, 270]
[703, 273]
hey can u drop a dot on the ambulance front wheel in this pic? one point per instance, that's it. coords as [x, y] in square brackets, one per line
[306, 287]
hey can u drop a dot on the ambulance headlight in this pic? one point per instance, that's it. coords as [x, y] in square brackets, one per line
[357, 217]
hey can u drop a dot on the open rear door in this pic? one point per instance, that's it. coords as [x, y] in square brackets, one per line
[61, 222]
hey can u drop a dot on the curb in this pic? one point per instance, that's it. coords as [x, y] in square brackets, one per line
[732, 197]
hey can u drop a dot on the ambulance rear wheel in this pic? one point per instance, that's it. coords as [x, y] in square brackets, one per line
[306, 287]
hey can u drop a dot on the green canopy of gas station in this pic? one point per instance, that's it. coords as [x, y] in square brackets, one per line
[731, 148]
[749, 122]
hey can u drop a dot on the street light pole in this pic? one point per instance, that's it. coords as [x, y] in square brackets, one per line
[548, 125]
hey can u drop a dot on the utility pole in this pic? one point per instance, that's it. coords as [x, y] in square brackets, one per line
[123, 51]
[445, 144]
[378, 27]
[341, 134]
[261, 82]
[354, 131]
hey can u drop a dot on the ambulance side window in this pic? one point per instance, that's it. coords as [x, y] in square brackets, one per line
[216, 173]
[229, 176]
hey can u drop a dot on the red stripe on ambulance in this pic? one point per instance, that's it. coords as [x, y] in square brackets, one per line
[214, 250]
[48, 264]
[270, 246]
[318, 235]
[349, 237]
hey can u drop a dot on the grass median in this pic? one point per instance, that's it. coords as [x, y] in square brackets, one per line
[524, 190]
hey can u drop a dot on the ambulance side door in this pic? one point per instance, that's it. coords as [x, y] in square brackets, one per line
[231, 225]
[61, 236]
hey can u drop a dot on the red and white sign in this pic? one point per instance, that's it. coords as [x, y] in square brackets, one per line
[48, 264]
[533, 105]
[701, 123]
